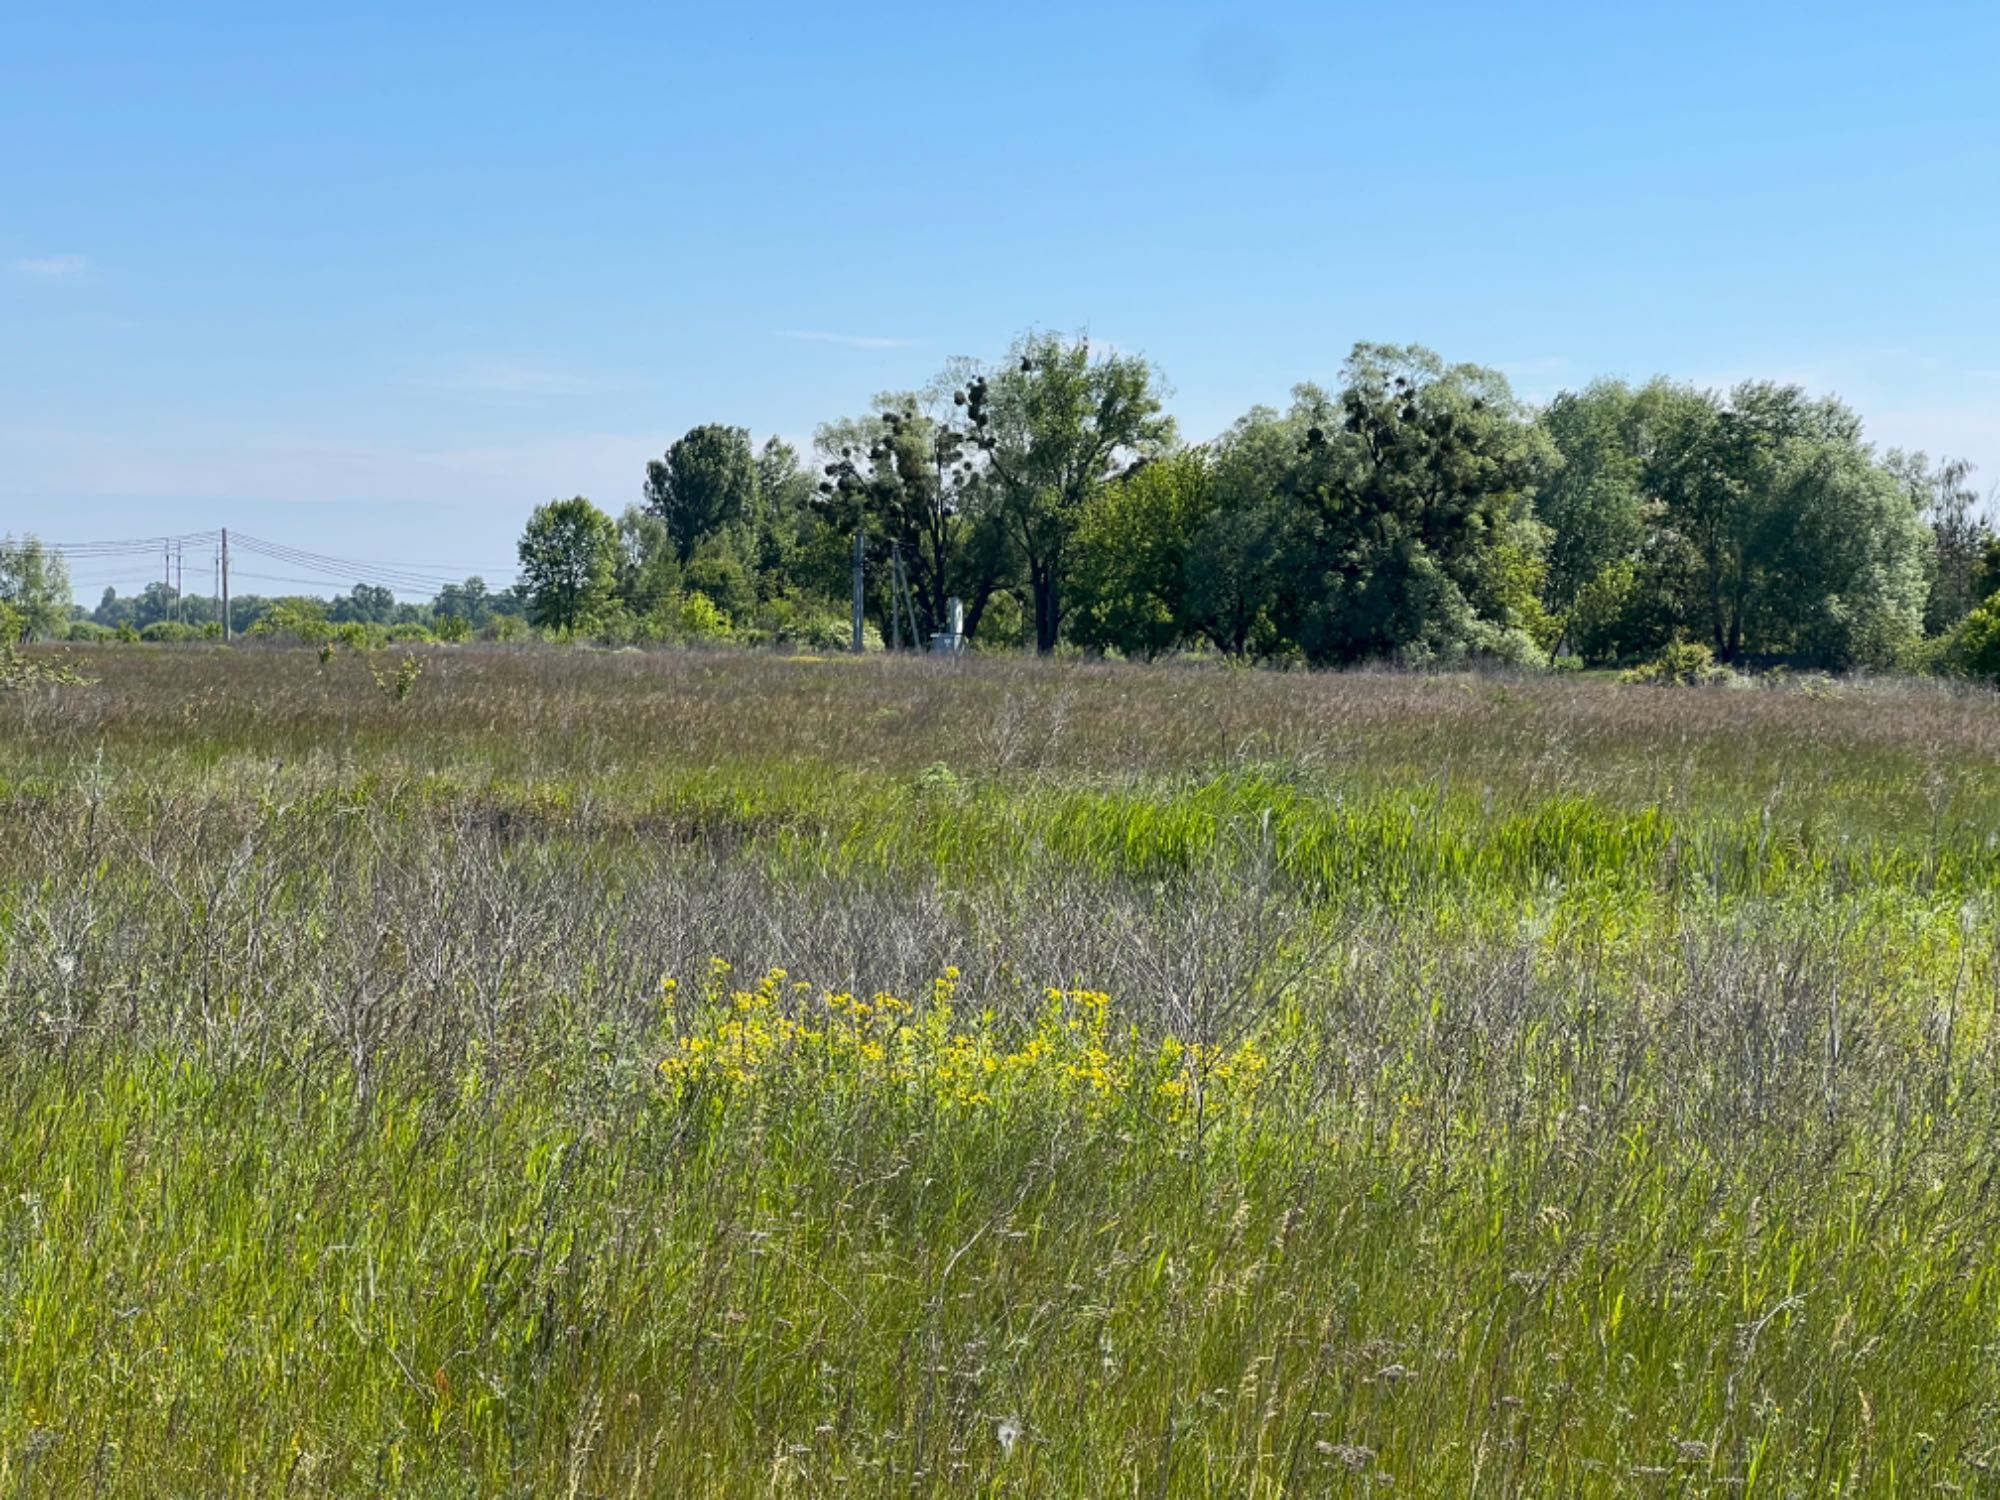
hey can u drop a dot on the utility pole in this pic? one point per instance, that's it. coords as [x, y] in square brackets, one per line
[858, 598]
[909, 605]
[225, 583]
[179, 613]
[895, 597]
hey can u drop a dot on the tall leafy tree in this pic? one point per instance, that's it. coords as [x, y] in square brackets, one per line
[1949, 503]
[902, 476]
[471, 601]
[1130, 578]
[1057, 423]
[707, 483]
[1801, 543]
[1236, 567]
[34, 585]
[649, 572]
[369, 603]
[1593, 502]
[1842, 568]
[785, 518]
[569, 564]
[1417, 480]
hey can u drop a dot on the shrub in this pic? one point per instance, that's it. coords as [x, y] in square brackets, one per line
[90, 630]
[1975, 648]
[169, 632]
[453, 630]
[507, 628]
[397, 686]
[1679, 664]
[698, 620]
[300, 619]
[801, 624]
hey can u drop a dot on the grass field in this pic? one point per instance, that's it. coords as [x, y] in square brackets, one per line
[662, 1074]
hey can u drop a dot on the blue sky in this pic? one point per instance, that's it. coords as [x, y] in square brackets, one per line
[376, 280]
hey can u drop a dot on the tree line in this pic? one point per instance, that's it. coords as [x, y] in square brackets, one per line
[1417, 512]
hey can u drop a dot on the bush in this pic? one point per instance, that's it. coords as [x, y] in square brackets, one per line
[1509, 646]
[507, 628]
[170, 632]
[1975, 646]
[300, 619]
[1679, 664]
[453, 630]
[90, 630]
[698, 620]
[802, 624]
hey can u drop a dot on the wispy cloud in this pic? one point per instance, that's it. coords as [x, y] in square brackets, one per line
[509, 377]
[849, 340]
[52, 267]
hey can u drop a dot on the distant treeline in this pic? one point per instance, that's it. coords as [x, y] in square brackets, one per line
[159, 609]
[1419, 512]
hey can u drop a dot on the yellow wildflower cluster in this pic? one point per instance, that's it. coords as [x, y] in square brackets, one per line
[1072, 1054]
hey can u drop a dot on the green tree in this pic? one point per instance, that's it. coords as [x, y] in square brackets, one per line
[369, 603]
[1057, 424]
[1594, 502]
[1416, 483]
[718, 574]
[649, 571]
[1949, 504]
[903, 477]
[1130, 575]
[1975, 647]
[1843, 570]
[470, 601]
[786, 518]
[1236, 559]
[34, 585]
[706, 483]
[1801, 542]
[569, 564]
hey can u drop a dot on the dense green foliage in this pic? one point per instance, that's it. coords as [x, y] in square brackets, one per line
[34, 590]
[1417, 512]
[569, 561]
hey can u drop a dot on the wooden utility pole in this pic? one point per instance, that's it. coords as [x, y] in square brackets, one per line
[225, 583]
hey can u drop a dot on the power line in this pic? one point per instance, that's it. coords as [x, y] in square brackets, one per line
[407, 577]
[124, 558]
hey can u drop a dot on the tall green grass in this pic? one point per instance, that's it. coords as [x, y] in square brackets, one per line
[1629, 1123]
